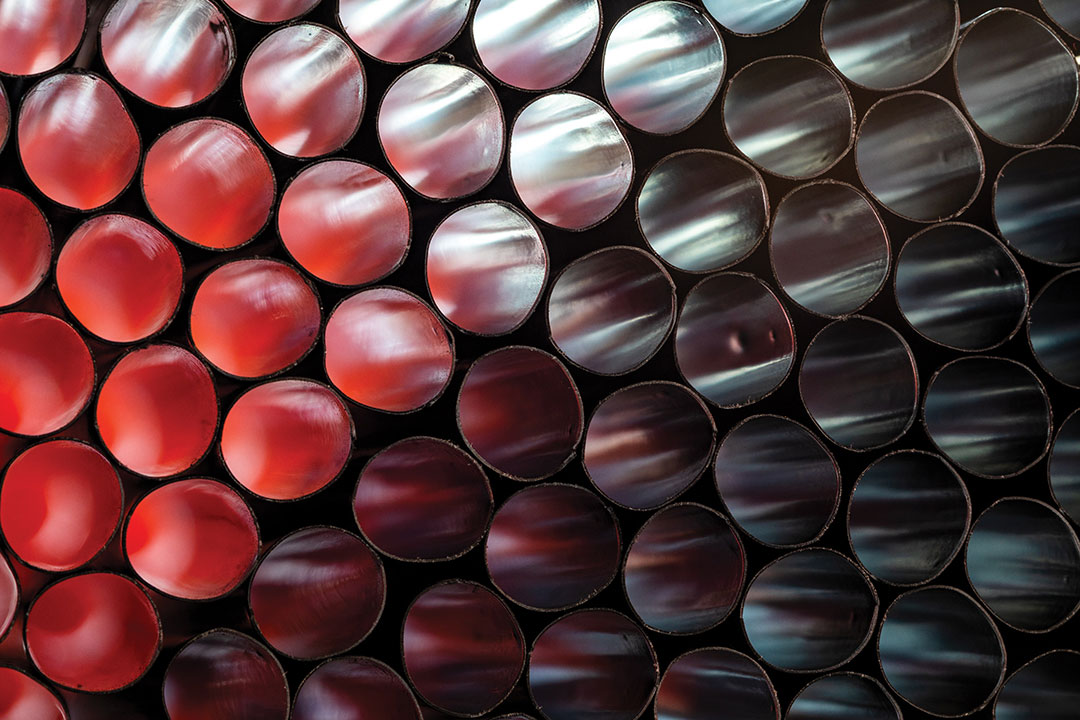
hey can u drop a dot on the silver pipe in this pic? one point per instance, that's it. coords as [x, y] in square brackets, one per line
[401, 31]
[754, 17]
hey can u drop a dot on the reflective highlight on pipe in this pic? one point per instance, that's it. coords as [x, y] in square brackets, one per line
[809, 611]
[754, 17]
[1016, 79]
[703, 210]
[859, 383]
[698, 683]
[171, 53]
[790, 115]
[38, 35]
[24, 698]
[486, 266]
[569, 162]
[734, 342]
[1035, 205]
[535, 44]
[908, 516]
[917, 155]
[958, 286]
[1064, 467]
[354, 688]
[552, 546]
[1044, 688]
[664, 578]
[990, 416]
[778, 481]
[843, 696]
[25, 247]
[400, 31]
[610, 311]
[941, 652]
[829, 248]
[662, 67]
[647, 443]
[271, 11]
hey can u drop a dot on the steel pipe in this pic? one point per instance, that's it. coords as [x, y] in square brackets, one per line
[25, 247]
[1044, 687]
[10, 599]
[844, 696]
[354, 688]
[754, 17]
[401, 31]
[1035, 204]
[1064, 466]
[1065, 13]
[1053, 329]
[39, 35]
[698, 683]
[271, 11]
[25, 698]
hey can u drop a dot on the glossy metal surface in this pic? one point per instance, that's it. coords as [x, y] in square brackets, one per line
[304, 90]
[60, 504]
[663, 575]
[958, 286]
[46, 373]
[886, 46]
[120, 277]
[344, 222]
[441, 128]
[10, 597]
[1016, 79]
[76, 140]
[461, 647]
[225, 675]
[592, 663]
[552, 546]
[157, 410]
[1044, 688]
[917, 155]
[386, 349]
[422, 499]
[734, 342]
[194, 539]
[172, 53]
[754, 17]
[843, 696]
[859, 383]
[486, 267]
[647, 443]
[38, 35]
[25, 698]
[520, 412]
[699, 684]
[829, 248]
[535, 44]
[778, 481]
[208, 182]
[94, 632]
[286, 439]
[1023, 561]
[610, 311]
[354, 688]
[1064, 467]
[569, 162]
[318, 592]
[791, 116]
[25, 247]
[1035, 204]
[1065, 13]
[941, 652]
[400, 31]
[990, 416]
[908, 516]
[271, 11]
[703, 210]
[809, 611]
[662, 67]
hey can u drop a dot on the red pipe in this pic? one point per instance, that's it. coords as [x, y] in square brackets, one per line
[354, 688]
[38, 35]
[25, 247]
[24, 698]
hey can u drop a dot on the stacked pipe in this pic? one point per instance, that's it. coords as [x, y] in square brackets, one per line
[539, 359]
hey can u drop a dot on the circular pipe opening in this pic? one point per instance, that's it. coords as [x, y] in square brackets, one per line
[990, 416]
[917, 155]
[25, 247]
[1065, 13]
[286, 439]
[754, 17]
[535, 44]
[461, 647]
[611, 310]
[60, 505]
[1044, 687]
[171, 53]
[859, 383]
[354, 687]
[77, 142]
[551, 547]
[10, 598]
[1064, 467]
[520, 412]
[194, 539]
[648, 443]
[120, 278]
[24, 698]
[486, 267]
[696, 683]
[46, 373]
[559, 180]
[207, 181]
[908, 516]
[157, 410]
[318, 592]
[1035, 206]
[38, 35]
[271, 11]
[95, 632]
[1053, 330]
[422, 499]
[780, 483]
[734, 342]
[344, 222]
[401, 31]
[843, 695]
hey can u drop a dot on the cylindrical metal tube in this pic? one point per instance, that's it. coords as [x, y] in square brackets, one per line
[844, 696]
[25, 247]
[1044, 687]
[271, 11]
[401, 31]
[25, 698]
[38, 35]
[10, 597]
[754, 17]
[702, 682]
[1054, 328]
[1064, 466]
[352, 688]
[1065, 13]
[1035, 206]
